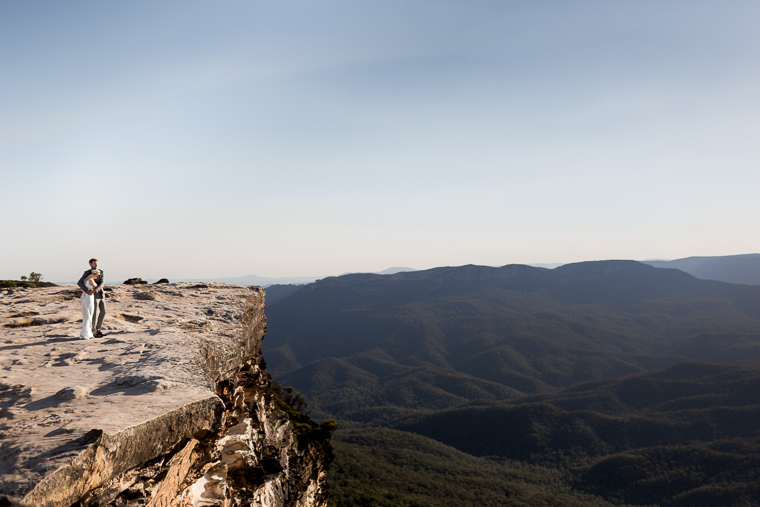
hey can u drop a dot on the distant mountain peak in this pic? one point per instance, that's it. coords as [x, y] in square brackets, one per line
[742, 269]
[393, 271]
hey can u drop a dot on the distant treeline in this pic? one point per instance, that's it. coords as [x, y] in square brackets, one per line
[12, 284]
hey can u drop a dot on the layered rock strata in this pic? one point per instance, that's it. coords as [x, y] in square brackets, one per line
[172, 407]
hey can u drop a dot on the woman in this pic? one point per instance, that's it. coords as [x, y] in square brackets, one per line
[88, 305]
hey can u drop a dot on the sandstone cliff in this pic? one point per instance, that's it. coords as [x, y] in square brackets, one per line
[172, 407]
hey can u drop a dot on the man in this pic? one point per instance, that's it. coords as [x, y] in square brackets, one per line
[100, 303]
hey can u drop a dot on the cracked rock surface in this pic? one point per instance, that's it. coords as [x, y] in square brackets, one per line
[170, 407]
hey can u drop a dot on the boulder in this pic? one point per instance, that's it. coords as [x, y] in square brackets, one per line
[134, 281]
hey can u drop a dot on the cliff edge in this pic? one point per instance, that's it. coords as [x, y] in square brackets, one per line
[173, 406]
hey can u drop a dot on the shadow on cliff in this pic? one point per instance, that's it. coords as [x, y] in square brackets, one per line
[132, 385]
[47, 402]
[9, 453]
[56, 339]
[72, 448]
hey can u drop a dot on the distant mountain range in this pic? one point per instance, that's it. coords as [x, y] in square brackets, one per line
[744, 269]
[261, 281]
[264, 281]
[498, 332]
[606, 373]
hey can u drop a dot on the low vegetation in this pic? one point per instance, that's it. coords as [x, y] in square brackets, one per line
[31, 281]
[305, 428]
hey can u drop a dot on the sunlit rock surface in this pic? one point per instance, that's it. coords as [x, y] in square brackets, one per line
[171, 407]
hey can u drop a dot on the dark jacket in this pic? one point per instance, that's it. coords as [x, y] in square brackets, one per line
[99, 280]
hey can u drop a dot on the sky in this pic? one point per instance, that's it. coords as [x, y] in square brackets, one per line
[197, 139]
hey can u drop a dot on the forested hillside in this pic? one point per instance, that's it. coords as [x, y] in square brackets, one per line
[581, 370]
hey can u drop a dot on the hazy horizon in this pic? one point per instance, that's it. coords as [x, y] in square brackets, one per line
[174, 138]
[254, 279]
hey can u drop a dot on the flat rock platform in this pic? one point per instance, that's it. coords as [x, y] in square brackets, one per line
[55, 388]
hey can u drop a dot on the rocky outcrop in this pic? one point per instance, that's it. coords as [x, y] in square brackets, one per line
[134, 281]
[173, 407]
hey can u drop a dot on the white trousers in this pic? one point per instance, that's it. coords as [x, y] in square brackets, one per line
[88, 308]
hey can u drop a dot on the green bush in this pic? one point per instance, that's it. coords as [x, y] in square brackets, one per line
[33, 277]
[15, 284]
[306, 429]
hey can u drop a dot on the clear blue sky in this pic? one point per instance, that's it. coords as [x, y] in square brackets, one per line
[303, 138]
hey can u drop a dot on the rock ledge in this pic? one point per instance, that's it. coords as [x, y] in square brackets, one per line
[172, 407]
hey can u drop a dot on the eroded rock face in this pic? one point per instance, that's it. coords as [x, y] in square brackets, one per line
[172, 407]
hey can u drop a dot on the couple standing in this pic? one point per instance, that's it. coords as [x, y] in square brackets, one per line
[93, 302]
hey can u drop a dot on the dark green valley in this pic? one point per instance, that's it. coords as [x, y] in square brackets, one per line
[599, 383]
